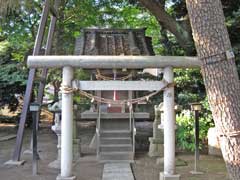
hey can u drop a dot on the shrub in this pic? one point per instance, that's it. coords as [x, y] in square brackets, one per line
[185, 130]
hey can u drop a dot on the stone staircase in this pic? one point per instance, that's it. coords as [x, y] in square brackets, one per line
[116, 141]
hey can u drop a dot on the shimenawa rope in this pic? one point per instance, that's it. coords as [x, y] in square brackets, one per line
[67, 90]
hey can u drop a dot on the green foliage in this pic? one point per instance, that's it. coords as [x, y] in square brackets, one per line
[185, 130]
[189, 86]
[80, 14]
[12, 76]
[17, 35]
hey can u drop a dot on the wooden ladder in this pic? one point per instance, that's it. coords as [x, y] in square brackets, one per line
[47, 9]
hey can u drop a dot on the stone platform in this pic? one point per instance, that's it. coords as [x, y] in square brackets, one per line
[94, 115]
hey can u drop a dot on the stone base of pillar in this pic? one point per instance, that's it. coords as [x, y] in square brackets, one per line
[169, 177]
[55, 164]
[28, 152]
[156, 147]
[196, 172]
[59, 177]
[14, 163]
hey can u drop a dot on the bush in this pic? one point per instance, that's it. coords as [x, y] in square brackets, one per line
[185, 130]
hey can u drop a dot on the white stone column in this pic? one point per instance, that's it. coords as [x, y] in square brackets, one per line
[67, 128]
[169, 129]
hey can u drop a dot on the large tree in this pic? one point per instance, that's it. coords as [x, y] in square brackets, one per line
[219, 72]
[172, 15]
[220, 76]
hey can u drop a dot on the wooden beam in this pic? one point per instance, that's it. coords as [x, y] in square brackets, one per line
[119, 85]
[113, 62]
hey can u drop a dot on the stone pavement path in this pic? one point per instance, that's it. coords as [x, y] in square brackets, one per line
[117, 171]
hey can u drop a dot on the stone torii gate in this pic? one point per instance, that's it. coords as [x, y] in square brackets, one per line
[97, 62]
[68, 63]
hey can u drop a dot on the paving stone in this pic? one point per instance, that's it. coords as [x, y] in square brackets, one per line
[117, 171]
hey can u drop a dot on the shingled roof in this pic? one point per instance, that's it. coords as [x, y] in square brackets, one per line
[114, 42]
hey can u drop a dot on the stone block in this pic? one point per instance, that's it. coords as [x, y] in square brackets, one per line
[169, 176]
[196, 172]
[158, 133]
[28, 152]
[213, 143]
[59, 177]
[156, 148]
[156, 140]
[14, 163]
[76, 149]
[55, 164]
[160, 161]
[117, 171]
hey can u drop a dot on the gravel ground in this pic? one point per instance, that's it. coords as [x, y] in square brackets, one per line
[88, 168]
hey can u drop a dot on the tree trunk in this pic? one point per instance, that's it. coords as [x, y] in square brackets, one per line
[220, 76]
[59, 32]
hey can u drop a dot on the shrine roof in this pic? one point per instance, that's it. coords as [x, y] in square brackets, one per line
[117, 42]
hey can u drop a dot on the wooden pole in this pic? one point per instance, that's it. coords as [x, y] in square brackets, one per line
[34, 147]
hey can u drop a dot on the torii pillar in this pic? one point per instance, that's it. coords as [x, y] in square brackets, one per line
[67, 127]
[169, 129]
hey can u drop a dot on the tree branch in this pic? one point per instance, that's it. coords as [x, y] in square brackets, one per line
[184, 37]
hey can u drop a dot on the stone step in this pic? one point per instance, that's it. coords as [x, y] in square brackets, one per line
[115, 140]
[116, 147]
[116, 161]
[122, 156]
[115, 125]
[115, 133]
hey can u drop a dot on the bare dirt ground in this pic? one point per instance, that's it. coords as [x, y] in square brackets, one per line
[88, 168]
